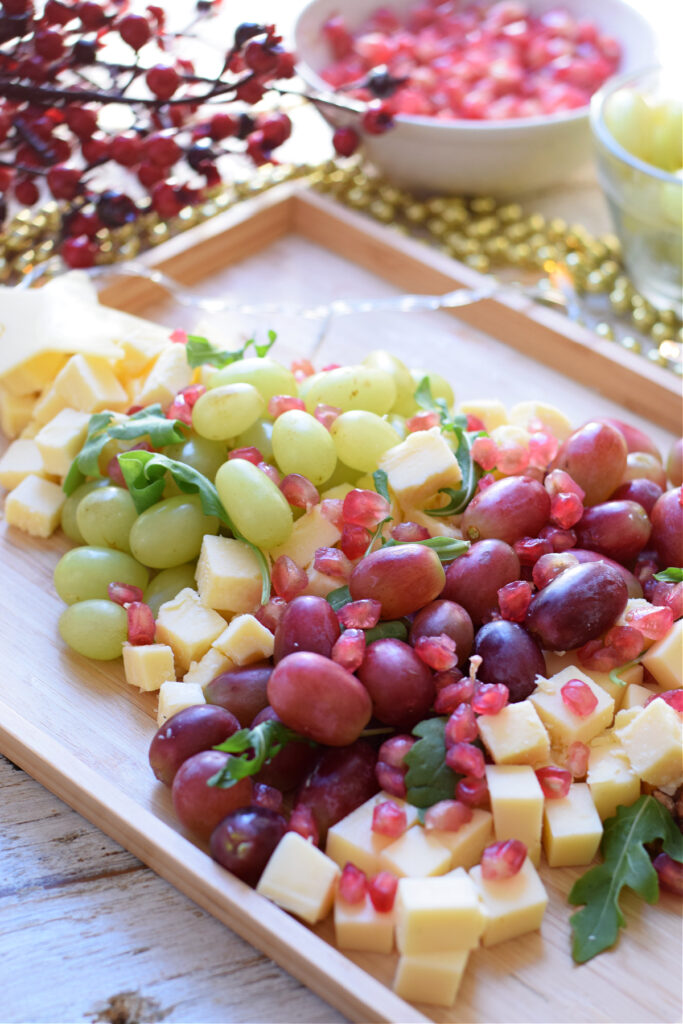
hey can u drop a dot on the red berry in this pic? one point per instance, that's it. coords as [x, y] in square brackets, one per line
[141, 624]
[6, 175]
[26, 192]
[222, 126]
[503, 859]
[162, 150]
[163, 81]
[64, 182]
[56, 13]
[388, 819]
[134, 29]
[554, 782]
[353, 884]
[48, 44]
[79, 253]
[258, 148]
[378, 118]
[382, 891]
[250, 91]
[276, 129]
[260, 57]
[81, 120]
[127, 149]
[165, 200]
[579, 697]
[149, 174]
[345, 141]
[92, 15]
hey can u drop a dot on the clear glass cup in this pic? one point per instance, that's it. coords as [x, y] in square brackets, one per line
[646, 202]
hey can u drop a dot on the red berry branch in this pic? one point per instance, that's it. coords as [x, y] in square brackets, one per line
[57, 77]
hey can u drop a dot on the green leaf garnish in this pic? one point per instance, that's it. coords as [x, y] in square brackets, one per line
[394, 628]
[145, 473]
[447, 548]
[429, 779]
[671, 575]
[626, 863]
[104, 427]
[381, 481]
[257, 747]
[377, 533]
[339, 597]
[199, 351]
[615, 676]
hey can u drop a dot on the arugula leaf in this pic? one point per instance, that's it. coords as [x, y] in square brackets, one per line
[144, 473]
[447, 548]
[615, 674]
[394, 628]
[429, 779]
[339, 597]
[626, 863]
[262, 350]
[424, 398]
[377, 533]
[381, 481]
[104, 427]
[257, 747]
[200, 351]
[671, 575]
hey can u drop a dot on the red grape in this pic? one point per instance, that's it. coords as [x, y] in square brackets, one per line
[400, 684]
[618, 529]
[667, 529]
[289, 768]
[342, 779]
[199, 806]
[241, 690]
[509, 656]
[474, 579]
[508, 510]
[595, 457]
[578, 606]
[674, 463]
[245, 839]
[632, 585]
[636, 439]
[445, 617]
[642, 490]
[308, 624]
[402, 578]
[191, 730]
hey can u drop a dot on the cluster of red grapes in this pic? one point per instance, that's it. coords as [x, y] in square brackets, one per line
[56, 79]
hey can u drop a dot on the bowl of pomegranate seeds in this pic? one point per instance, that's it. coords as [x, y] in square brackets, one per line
[452, 96]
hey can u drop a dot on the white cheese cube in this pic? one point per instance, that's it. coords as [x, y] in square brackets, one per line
[245, 640]
[563, 725]
[141, 343]
[169, 375]
[48, 405]
[35, 506]
[635, 696]
[416, 854]
[633, 674]
[175, 697]
[430, 977]
[665, 658]
[15, 412]
[33, 374]
[360, 926]
[514, 906]
[208, 667]
[310, 532]
[467, 843]
[89, 383]
[419, 467]
[352, 840]
[188, 627]
[611, 779]
[148, 665]
[228, 575]
[516, 735]
[528, 414]
[22, 458]
[517, 805]
[300, 878]
[490, 411]
[438, 914]
[653, 741]
[572, 829]
[320, 585]
[61, 440]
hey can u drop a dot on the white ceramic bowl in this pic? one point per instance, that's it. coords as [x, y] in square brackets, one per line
[477, 157]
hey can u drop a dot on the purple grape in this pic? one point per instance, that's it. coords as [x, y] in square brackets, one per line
[400, 685]
[449, 618]
[577, 606]
[307, 624]
[510, 656]
[474, 579]
[241, 690]
[342, 779]
[191, 730]
[244, 840]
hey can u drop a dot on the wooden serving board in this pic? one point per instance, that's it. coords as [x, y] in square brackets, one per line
[80, 730]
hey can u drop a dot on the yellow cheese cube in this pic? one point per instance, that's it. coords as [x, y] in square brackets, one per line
[514, 906]
[635, 696]
[15, 412]
[245, 640]
[35, 506]
[467, 843]
[21, 459]
[420, 466]
[517, 805]
[352, 841]
[320, 585]
[141, 342]
[633, 606]
[171, 372]
[528, 414]
[208, 667]
[48, 405]
[188, 627]
[430, 977]
[148, 665]
[228, 575]
[438, 914]
[665, 658]
[360, 926]
[516, 735]
[300, 878]
[175, 697]
[61, 440]
[416, 854]
[564, 727]
[572, 829]
[33, 374]
[89, 383]
[490, 411]
[653, 741]
[310, 532]
[633, 674]
[611, 779]
[338, 492]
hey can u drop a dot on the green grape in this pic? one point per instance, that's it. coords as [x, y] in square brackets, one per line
[70, 507]
[438, 384]
[255, 504]
[105, 517]
[667, 136]
[95, 629]
[405, 386]
[259, 435]
[342, 475]
[350, 387]
[225, 411]
[171, 532]
[266, 375]
[361, 438]
[204, 456]
[628, 117]
[303, 445]
[168, 583]
[84, 573]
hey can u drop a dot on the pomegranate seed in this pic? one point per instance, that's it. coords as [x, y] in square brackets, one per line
[267, 796]
[560, 482]
[466, 759]
[666, 595]
[473, 792]
[349, 649]
[382, 891]
[362, 614]
[269, 614]
[514, 600]
[447, 816]
[669, 873]
[554, 782]
[326, 414]
[627, 641]
[461, 727]
[550, 566]
[288, 579]
[485, 482]
[302, 368]
[503, 859]
[283, 403]
[577, 759]
[560, 540]
[409, 532]
[252, 455]
[512, 459]
[332, 510]
[394, 750]
[474, 422]
[453, 696]
[543, 448]
[490, 698]
[354, 541]
[365, 508]
[390, 779]
[530, 549]
[438, 652]
[653, 623]
[388, 819]
[179, 410]
[353, 884]
[579, 697]
[565, 510]
[192, 393]
[422, 421]
[141, 624]
[271, 472]
[447, 678]
[124, 593]
[672, 697]
[485, 453]
[301, 820]
[178, 337]
[332, 562]
[299, 491]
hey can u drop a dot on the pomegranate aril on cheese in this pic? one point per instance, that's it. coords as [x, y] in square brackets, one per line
[554, 782]
[579, 697]
[301, 820]
[388, 819]
[577, 759]
[353, 884]
[447, 815]
[490, 698]
[422, 421]
[503, 859]
[382, 891]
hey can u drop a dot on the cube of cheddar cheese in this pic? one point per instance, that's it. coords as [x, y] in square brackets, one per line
[34, 374]
[665, 658]
[653, 741]
[636, 696]
[148, 665]
[572, 829]
[416, 854]
[352, 840]
[208, 667]
[514, 906]
[61, 439]
[300, 878]
[360, 926]
[632, 674]
[22, 458]
[438, 914]
[517, 805]
[175, 697]
[171, 372]
[245, 640]
[88, 383]
[46, 408]
[310, 532]
[468, 842]
[35, 506]
[228, 575]
[419, 467]
[516, 735]
[430, 977]
[611, 779]
[15, 412]
[188, 627]
[563, 725]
